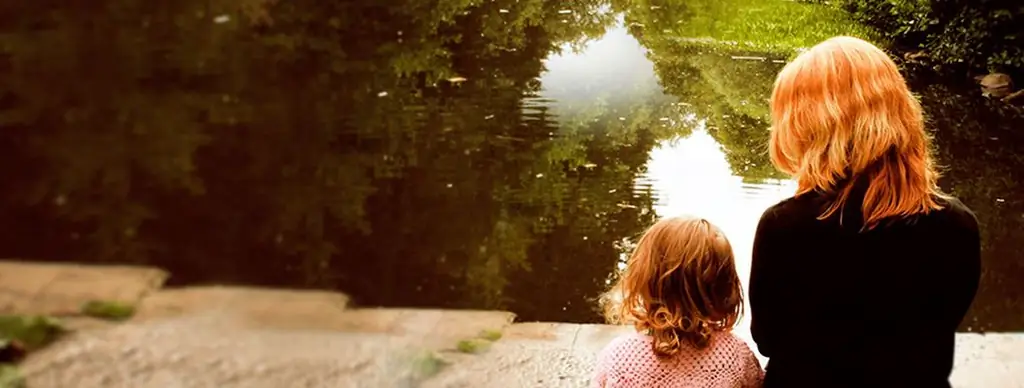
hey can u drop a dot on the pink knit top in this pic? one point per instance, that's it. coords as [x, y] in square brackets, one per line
[726, 362]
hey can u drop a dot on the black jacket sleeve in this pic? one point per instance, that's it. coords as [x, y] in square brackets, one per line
[965, 273]
[767, 321]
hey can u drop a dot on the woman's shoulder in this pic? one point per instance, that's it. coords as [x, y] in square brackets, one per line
[957, 214]
[790, 210]
[798, 209]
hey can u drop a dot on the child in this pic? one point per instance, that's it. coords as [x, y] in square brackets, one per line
[681, 292]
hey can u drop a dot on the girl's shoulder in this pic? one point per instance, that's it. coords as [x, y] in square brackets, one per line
[729, 343]
[638, 346]
[627, 345]
[629, 361]
[728, 338]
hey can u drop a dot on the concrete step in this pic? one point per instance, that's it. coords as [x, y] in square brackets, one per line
[62, 288]
[563, 355]
[436, 329]
[989, 360]
[279, 308]
[209, 351]
[586, 338]
[319, 311]
[531, 354]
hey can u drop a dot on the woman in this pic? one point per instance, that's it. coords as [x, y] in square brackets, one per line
[861, 279]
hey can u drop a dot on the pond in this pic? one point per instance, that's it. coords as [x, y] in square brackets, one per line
[485, 155]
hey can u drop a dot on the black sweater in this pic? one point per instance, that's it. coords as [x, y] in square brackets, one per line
[833, 306]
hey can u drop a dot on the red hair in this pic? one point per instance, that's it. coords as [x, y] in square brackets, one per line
[841, 111]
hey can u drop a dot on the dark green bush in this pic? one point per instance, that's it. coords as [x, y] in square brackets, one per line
[972, 34]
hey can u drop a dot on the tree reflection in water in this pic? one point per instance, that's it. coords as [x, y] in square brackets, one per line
[726, 81]
[399, 153]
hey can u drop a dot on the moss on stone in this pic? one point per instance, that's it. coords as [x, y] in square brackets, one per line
[491, 335]
[32, 332]
[109, 310]
[10, 377]
[470, 346]
[428, 364]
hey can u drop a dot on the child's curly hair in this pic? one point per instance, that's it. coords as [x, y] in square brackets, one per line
[679, 285]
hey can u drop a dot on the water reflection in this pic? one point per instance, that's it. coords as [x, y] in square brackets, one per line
[464, 156]
[979, 142]
[692, 176]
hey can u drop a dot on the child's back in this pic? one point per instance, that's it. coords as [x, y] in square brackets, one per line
[681, 290]
[726, 362]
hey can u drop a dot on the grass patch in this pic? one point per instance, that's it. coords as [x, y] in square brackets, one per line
[109, 310]
[18, 335]
[425, 365]
[480, 343]
[471, 346]
[491, 335]
[31, 332]
[10, 377]
[772, 26]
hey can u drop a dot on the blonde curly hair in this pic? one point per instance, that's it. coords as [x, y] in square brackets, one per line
[680, 285]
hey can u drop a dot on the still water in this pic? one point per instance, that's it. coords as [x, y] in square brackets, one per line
[480, 155]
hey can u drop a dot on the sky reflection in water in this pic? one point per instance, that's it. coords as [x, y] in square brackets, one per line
[688, 175]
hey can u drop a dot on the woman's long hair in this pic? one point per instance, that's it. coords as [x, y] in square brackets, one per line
[841, 111]
[680, 285]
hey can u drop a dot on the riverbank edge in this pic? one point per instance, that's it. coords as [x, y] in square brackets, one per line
[59, 289]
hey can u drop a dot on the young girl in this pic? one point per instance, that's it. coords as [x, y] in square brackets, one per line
[681, 292]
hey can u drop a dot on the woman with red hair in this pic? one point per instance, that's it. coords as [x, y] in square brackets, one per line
[861, 278]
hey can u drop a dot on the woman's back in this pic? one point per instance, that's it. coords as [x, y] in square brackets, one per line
[836, 305]
[861, 279]
[629, 361]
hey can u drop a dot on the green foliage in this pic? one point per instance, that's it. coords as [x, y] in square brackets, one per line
[757, 25]
[33, 332]
[471, 346]
[978, 34]
[112, 310]
[10, 377]
[491, 335]
[428, 364]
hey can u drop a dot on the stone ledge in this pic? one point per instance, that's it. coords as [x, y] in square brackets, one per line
[982, 360]
[989, 360]
[259, 303]
[62, 288]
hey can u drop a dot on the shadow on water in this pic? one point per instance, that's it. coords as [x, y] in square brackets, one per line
[462, 156]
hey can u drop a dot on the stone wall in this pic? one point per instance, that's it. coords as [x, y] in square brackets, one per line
[220, 336]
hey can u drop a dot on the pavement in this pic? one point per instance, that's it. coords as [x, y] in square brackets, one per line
[220, 336]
